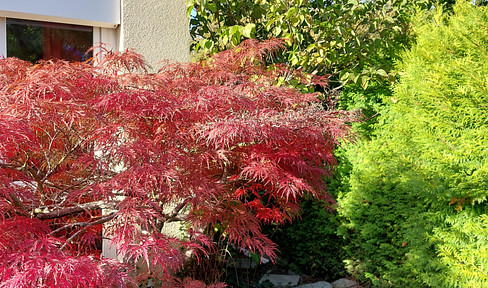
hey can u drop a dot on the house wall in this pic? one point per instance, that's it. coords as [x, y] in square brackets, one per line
[157, 29]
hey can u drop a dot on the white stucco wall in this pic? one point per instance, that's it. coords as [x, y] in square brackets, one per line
[157, 29]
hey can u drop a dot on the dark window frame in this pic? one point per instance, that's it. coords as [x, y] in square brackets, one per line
[38, 40]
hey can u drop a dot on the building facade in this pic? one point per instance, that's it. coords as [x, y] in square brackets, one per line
[43, 29]
[66, 29]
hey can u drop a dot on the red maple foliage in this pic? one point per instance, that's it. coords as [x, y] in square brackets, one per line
[109, 146]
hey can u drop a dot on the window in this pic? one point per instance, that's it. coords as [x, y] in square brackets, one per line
[34, 40]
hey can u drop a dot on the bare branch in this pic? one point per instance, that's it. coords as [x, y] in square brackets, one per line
[75, 209]
[175, 211]
[176, 218]
[17, 203]
[369, 118]
[99, 221]
[65, 156]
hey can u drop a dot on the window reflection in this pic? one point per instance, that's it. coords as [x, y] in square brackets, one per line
[33, 40]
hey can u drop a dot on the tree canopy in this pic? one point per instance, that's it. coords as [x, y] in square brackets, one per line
[86, 148]
[354, 41]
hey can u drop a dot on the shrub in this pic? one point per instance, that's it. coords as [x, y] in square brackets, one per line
[415, 213]
[310, 244]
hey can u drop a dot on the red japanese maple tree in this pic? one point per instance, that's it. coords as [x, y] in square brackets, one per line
[109, 146]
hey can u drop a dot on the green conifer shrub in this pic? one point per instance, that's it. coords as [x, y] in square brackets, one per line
[415, 212]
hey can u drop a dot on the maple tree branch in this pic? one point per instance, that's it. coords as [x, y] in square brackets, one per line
[26, 169]
[29, 170]
[65, 156]
[44, 153]
[175, 211]
[22, 168]
[75, 209]
[17, 203]
[99, 220]
[86, 226]
[176, 218]
[10, 166]
[66, 188]
[225, 175]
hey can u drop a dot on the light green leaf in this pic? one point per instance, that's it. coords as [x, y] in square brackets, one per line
[382, 73]
[345, 76]
[291, 12]
[233, 30]
[365, 82]
[212, 7]
[355, 78]
[277, 31]
[248, 30]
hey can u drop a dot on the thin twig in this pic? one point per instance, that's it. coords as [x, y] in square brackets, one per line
[367, 119]
[75, 209]
[99, 221]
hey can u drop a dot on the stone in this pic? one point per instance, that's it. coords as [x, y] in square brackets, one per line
[281, 281]
[345, 283]
[321, 284]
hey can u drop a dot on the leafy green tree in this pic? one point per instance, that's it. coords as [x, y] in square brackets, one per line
[415, 213]
[355, 41]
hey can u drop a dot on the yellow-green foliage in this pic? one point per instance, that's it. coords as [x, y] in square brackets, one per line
[415, 213]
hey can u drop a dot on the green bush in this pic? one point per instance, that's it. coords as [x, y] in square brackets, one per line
[311, 245]
[415, 212]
